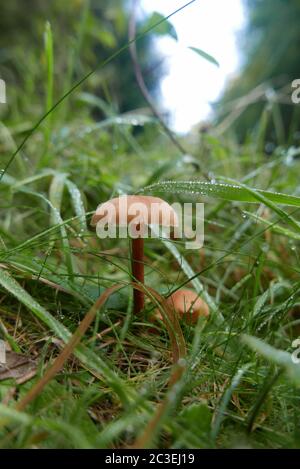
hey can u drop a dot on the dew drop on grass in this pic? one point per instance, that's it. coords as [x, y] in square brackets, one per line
[212, 178]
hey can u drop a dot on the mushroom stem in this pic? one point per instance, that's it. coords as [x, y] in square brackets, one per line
[138, 273]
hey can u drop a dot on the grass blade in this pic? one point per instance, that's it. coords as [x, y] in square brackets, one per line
[205, 56]
[275, 356]
[229, 192]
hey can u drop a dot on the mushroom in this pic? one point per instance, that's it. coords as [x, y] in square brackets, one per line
[137, 213]
[188, 305]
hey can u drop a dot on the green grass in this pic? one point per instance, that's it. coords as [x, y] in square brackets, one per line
[234, 388]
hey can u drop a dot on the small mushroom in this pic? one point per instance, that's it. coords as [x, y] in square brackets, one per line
[138, 212]
[188, 305]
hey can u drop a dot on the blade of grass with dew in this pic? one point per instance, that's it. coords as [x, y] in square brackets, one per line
[29, 180]
[48, 41]
[229, 192]
[48, 46]
[274, 227]
[77, 203]
[261, 197]
[10, 284]
[278, 357]
[57, 222]
[56, 190]
[121, 120]
[220, 413]
[270, 293]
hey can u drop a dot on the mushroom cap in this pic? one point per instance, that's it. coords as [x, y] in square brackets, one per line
[122, 210]
[188, 305]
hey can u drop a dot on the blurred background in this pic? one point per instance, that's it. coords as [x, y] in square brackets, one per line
[257, 62]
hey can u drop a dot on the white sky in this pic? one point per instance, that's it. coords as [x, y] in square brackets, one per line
[193, 83]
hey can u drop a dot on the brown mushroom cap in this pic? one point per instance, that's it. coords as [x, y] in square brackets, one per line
[152, 210]
[188, 305]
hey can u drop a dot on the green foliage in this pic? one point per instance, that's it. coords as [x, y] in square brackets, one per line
[53, 267]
